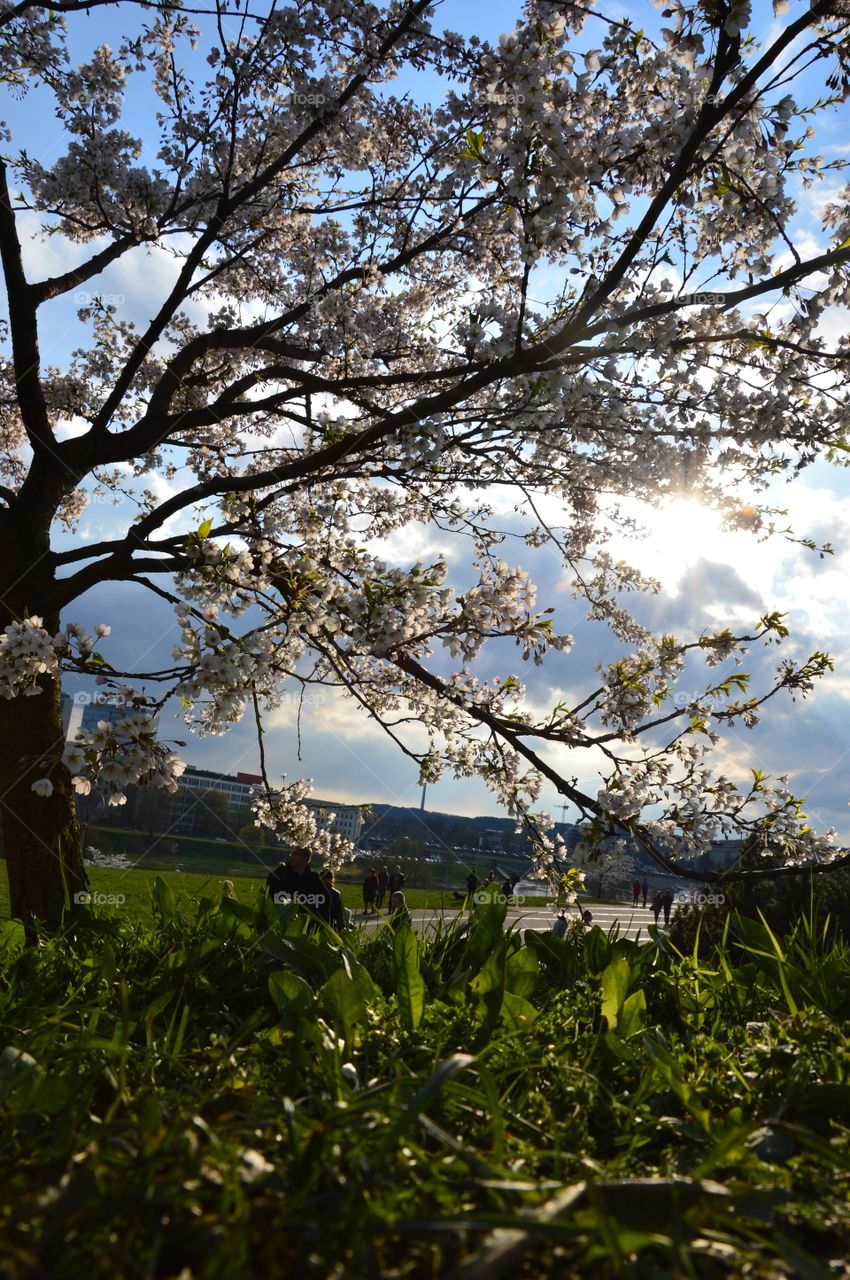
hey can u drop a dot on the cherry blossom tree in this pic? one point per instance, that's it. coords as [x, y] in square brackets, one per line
[389, 307]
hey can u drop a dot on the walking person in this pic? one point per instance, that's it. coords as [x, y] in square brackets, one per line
[383, 881]
[656, 905]
[667, 905]
[396, 879]
[635, 892]
[645, 889]
[370, 890]
[559, 925]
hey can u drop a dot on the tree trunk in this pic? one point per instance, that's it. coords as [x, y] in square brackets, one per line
[41, 834]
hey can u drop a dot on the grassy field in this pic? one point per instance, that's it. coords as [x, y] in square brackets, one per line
[132, 889]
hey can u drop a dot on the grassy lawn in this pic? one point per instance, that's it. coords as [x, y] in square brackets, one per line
[135, 885]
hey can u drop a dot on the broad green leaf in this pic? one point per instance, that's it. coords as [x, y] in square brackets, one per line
[158, 1004]
[359, 975]
[486, 929]
[107, 962]
[632, 1016]
[310, 960]
[409, 985]
[558, 957]
[237, 910]
[343, 1002]
[517, 1013]
[164, 903]
[522, 973]
[616, 979]
[489, 987]
[289, 991]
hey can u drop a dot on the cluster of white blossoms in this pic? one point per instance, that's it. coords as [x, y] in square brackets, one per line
[612, 861]
[27, 651]
[698, 808]
[117, 753]
[283, 811]
[635, 684]
[97, 858]
[395, 606]
[122, 752]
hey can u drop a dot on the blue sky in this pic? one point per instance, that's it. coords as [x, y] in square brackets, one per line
[708, 574]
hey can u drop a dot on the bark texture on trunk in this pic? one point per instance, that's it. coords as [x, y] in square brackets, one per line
[41, 834]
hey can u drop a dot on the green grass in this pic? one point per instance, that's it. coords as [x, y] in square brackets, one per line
[207, 1090]
[135, 887]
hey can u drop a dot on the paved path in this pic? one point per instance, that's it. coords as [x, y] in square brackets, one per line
[632, 921]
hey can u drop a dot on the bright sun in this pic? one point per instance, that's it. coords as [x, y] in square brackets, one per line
[678, 534]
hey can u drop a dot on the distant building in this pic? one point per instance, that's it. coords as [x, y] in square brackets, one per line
[345, 820]
[188, 808]
[72, 715]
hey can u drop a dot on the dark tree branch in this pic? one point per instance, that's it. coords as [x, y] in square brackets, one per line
[24, 329]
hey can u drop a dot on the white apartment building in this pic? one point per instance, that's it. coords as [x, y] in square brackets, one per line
[345, 819]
